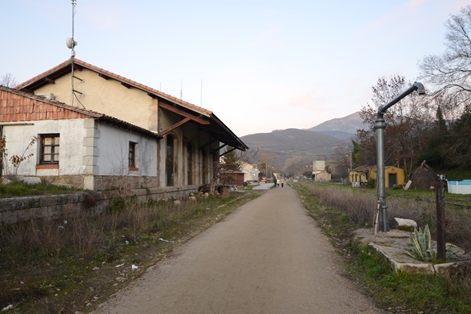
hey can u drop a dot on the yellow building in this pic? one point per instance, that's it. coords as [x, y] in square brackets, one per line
[393, 175]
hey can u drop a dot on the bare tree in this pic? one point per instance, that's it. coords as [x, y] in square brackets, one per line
[342, 160]
[407, 123]
[8, 80]
[293, 166]
[270, 160]
[250, 156]
[450, 72]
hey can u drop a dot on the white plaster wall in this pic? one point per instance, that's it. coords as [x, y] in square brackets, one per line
[113, 144]
[250, 171]
[71, 146]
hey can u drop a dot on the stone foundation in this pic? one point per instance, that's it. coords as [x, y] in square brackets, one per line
[13, 210]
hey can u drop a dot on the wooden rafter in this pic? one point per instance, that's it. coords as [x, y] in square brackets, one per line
[173, 127]
[194, 137]
[126, 85]
[228, 152]
[219, 148]
[106, 77]
[208, 143]
[183, 113]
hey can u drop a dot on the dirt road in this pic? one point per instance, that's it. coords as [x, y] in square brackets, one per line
[267, 257]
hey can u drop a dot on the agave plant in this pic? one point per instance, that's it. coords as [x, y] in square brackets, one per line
[422, 245]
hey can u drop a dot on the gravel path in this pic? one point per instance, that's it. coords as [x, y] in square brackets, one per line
[267, 257]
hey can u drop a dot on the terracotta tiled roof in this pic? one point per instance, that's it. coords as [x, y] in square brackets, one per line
[118, 78]
[363, 168]
[17, 106]
[227, 136]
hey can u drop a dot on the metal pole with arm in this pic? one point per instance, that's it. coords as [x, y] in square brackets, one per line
[380, 126]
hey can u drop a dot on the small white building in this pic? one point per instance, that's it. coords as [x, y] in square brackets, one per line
[251, 171]
[319, 172]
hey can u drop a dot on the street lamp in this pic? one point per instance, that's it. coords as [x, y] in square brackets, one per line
[379, 126]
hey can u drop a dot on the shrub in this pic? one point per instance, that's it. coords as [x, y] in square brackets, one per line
[371, 183]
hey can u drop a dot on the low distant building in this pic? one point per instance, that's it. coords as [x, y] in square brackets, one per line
[232, 177]
[393, 176]
[360, 175]
[251, 172]
[319, 172]
[321, 176]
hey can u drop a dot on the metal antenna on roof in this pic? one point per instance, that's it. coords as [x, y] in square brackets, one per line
[71, 43]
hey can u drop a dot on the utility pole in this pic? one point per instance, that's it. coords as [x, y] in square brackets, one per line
[440, 201]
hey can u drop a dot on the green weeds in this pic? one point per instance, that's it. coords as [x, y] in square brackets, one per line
[19, 188]
[338, 211]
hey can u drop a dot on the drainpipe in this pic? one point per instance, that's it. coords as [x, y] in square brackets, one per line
[380, 126]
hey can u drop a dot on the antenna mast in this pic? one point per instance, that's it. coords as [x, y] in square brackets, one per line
[72, 56]
[71, 43]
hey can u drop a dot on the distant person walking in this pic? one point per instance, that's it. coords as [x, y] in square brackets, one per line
[277, 182]
[282, 182]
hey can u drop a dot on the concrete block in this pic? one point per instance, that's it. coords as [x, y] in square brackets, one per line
[405, 224]
[89, 123]
[89, 141]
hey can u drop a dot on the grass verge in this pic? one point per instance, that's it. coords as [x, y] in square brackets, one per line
[18, 188]
[395, 292]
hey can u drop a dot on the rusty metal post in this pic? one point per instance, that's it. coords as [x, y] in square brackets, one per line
[440, 190]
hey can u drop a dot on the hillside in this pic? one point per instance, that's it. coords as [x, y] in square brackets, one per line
[293, 142]
[341, 127]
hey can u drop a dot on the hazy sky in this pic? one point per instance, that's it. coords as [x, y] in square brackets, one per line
[258, 65]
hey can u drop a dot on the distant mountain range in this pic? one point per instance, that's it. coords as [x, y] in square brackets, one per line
[311, 144]
[343, 128]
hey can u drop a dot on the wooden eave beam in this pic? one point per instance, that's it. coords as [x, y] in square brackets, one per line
[106, 77]
[77, 67]
[126, 85]
[214, 130]
[194, 137]
[173, 127]
[183, 113]
[233, 149]
[217, 149]
[49, 80]
[208, 143]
